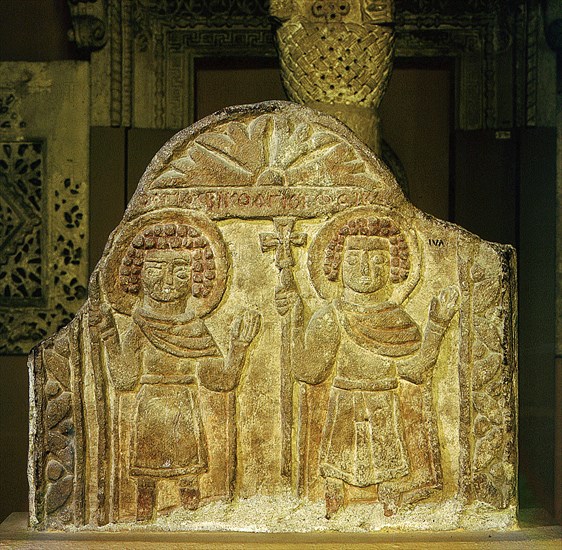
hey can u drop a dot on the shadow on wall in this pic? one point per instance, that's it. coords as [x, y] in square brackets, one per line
[13, 435]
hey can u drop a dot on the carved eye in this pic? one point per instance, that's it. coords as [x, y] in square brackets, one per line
[351, 258]
[181, 273]
[153, 270]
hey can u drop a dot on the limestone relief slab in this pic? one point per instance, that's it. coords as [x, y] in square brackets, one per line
[275, 339]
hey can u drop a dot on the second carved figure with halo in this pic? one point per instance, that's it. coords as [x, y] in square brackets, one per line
[366, 341]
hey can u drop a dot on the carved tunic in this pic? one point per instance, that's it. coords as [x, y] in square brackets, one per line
[169, 439]
[363, 441]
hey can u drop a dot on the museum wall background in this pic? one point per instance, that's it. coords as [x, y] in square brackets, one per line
[503, 187]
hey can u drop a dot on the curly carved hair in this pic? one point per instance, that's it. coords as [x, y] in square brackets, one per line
[370, 227]
[176, 237]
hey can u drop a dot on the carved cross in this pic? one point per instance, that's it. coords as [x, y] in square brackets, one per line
[282, 242]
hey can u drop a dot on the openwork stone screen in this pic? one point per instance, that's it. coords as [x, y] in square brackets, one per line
[43, 199]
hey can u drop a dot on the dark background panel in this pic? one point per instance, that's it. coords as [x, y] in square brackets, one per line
[484, 190]
[13, 435]
[537, 286]
[142, 145]
[107, 193]
[36, 30]
[224, 81]
[417, 124]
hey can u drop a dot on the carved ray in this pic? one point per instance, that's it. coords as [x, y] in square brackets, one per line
[311, 156]
[223, 157]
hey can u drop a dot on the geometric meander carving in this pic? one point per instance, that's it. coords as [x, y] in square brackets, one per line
[276, 339]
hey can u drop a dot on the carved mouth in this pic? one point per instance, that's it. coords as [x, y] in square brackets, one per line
[164, 295]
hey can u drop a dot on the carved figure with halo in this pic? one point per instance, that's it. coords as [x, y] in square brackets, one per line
[367, 265]
[174, 271]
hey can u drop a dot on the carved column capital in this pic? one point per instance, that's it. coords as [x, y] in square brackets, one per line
[337, 57]
[89, 23]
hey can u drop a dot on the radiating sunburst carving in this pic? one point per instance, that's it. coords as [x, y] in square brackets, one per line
[270, 150]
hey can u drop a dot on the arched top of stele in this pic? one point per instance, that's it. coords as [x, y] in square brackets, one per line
[275, 145]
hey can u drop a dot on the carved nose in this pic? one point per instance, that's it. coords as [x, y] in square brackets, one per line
[365, 263]
[168, 277]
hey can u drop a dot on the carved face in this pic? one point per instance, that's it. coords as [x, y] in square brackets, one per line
[166, 275]
[365, 265]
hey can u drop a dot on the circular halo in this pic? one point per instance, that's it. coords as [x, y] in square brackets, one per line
[329, 290]
[122, 301]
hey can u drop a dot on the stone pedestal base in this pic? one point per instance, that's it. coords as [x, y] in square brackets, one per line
[14, 533]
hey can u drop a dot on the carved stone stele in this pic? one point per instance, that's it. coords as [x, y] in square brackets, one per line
[275, 339]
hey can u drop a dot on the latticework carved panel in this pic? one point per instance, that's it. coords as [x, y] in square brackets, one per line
[43, 254]
[43, 199]
[21, 166]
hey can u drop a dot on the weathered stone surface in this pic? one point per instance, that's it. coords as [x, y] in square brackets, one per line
[276, 340]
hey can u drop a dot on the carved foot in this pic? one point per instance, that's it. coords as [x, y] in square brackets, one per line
[146, 499]
[395, 494]
[390, 498]
[389, 509]
[334, 497]
[420, 493]
[190, 494]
